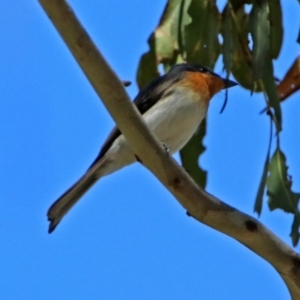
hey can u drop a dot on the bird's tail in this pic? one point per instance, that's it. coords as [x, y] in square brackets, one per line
[63, 204]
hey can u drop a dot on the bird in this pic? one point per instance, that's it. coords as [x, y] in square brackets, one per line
[172, 105]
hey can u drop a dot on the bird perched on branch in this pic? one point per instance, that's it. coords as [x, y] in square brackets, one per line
[172, 105]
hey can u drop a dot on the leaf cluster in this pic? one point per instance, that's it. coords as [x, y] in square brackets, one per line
[249, 36]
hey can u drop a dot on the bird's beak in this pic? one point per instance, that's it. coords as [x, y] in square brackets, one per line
[229, 83]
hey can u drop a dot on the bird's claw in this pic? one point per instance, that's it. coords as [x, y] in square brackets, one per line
[167, 149]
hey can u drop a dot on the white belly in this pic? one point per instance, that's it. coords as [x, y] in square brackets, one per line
[173, 120]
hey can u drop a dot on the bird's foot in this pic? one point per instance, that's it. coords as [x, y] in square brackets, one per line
[167, 149]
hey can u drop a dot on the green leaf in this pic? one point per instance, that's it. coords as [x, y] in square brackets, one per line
[163, 42]
[260, 32]
[190, 154]
[262, 184]
[276, 28]
[279, 185]
[183, 20]
[279, 191]
[271, 91]
[227, 32]
[242, 57]
[166, 33]
[201, 36]
[295, 230]
[147, 69]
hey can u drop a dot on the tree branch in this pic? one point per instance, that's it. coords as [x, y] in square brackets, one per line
[290, 84]
[204, 207]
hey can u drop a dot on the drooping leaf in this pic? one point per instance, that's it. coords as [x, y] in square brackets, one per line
[271, 91]
[295, 229]
[201, 35]
[291, 81]
[242, 57]
[227, 33]
[163, 43]
[279, 190]
[262, 184]
[183, 21]
[166, 33]
[276, 28]
[190, 154]
[147, 69]
[260, 32]
[279, 185]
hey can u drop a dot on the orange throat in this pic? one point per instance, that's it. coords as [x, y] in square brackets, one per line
[204, 84]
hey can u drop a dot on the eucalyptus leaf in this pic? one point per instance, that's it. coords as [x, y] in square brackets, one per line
[271, 91]
[201, 35]
[166, 33]
[163, 43]
[242, 57]
[276, 27]
[147, 69]
[260, 32]
[295, 230]
[279, 185]
[184, 20]
[227, 32]
[190, 154]
[262, 184]
[279, 191]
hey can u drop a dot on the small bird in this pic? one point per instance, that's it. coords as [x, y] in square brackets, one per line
[172, 105]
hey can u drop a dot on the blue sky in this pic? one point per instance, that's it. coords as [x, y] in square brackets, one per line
[128, 238]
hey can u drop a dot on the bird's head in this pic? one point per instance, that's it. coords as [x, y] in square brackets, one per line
[201, 79]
